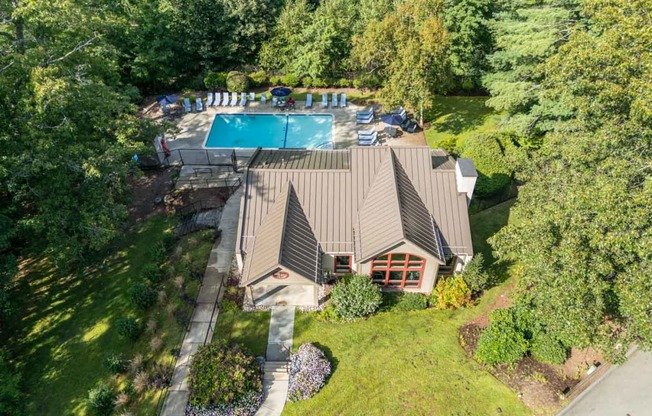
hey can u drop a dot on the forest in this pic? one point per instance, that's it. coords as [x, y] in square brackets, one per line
[571, 79]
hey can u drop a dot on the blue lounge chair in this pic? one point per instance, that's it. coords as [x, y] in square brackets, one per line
[209, 99]
[252, 96]
[324, 100]
[199, 105]
[186, 105]
[309, 101]
[365, 133]
[263, 98]
[334, 100]
[364, 119]
[369, 140]
[343, 100]
[365, 113]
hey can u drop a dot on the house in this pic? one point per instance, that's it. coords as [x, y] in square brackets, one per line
[397, 214]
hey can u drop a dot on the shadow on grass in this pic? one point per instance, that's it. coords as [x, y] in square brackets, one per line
[329, 354]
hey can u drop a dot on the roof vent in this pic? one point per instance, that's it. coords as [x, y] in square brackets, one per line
[465, 177]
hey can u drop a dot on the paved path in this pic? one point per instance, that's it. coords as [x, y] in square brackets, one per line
[279, 346]
[622, 390]
[202, 323]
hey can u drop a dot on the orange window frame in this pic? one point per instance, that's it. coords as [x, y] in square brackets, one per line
[411, 263]
[337, 266]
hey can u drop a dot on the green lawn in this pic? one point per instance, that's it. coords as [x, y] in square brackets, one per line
[250, 329]
[67, 324]
[455, 118]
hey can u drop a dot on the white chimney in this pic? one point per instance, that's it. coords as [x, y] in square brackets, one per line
[465, 177]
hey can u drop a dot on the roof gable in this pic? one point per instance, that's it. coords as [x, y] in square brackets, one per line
[284, 240]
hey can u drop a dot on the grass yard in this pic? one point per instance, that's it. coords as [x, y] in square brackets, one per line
[250, 329]
[67, 325]
[453, 119]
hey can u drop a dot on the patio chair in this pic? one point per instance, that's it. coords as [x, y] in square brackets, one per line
[243, 99]
[324, 100]
[252, 96]
[263, 98]
[209, 99]
[199, 105]
[400, 112]
[225, 98]
[334, 100]
[362, 134]
[364, 119]
[343, 100]
[234, 99]
[413, 127]
[186, 105]
[309, 101]
[365, 113]
[405, 124]
[371, 140]
[274, 101]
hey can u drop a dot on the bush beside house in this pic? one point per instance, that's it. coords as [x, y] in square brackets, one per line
[356, 297]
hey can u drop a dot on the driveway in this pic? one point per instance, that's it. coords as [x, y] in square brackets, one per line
[625, 390]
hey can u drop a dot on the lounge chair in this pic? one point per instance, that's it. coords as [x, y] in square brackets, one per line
[209, 99]
[186, 105]
[274, 101]
[243, 99]
[199, 105]
[370, 140]
[364, 119]
[365, 113]
[343, 100]
[225, 98]
[234, 99]
[309, 101]
[334, 100]
[400, 112]
[365, 133]
[263, 98]
[413, 127]
[324, 101]
[406, 123]
[252, 96]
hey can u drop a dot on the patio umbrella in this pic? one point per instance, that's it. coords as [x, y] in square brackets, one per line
[281, 92]
[167, 99]
[392, 119]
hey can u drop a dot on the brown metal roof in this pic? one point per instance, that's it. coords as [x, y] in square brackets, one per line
[393, 212]
[301, 159]
[331, 199]
[442, 160]
[284, 240]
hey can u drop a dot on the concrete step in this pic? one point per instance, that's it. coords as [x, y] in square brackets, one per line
[276, 370]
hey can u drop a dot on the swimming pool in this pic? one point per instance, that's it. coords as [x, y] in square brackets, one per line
[306, 131]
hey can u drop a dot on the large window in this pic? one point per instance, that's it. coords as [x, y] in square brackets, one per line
[343, 264]
[398, 270]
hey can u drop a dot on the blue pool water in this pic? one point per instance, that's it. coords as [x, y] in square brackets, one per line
[307, 131]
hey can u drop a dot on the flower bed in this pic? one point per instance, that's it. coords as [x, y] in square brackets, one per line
[309, 369]
[246, 406]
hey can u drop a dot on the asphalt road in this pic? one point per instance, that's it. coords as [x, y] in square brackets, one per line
[625, 390]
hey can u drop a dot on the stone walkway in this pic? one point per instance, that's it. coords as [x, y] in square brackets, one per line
[202, 323]
[279, 347]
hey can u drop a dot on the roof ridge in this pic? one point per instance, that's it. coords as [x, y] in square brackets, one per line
[397, 188]
[286, 204]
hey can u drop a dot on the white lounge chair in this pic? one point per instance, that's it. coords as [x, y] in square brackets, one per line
[243, 99]
[334, 100]
[400, 112]
[324, 101]
[225, 98]
[364, 119]
[343, 100]
[186, 105]
[263, 98]
[209, 99]
[199, 105]
[234, 99]
[252, 96]
[365, 113]
[308, 100]
[365, 133]
[370, 140]
[274, 101]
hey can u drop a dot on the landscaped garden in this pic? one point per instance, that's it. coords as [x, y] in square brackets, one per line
[77, 331]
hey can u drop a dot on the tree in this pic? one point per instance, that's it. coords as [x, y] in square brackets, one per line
[470, 39]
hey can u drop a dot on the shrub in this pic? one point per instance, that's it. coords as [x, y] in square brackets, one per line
[548, 349]
[309, 369]
[158, 253]
[328, 314]
[319, 83]
[237, 82]
[291, 80]
[222, 374]
[115, 363]
[474, 276]
[450, 293]
[141, 382]
[215, 80]
[11, 400]
[343, 82]
[100, 400]
[258, 79]
[160, 377]
[367, 81]
[129, 328]
[356, 297]
[403, 302]
[275, 80]
[503, 340]
[142, 296]
[152, 273]
[306, 82]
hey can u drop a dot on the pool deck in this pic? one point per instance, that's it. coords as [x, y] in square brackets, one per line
[194, 127]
